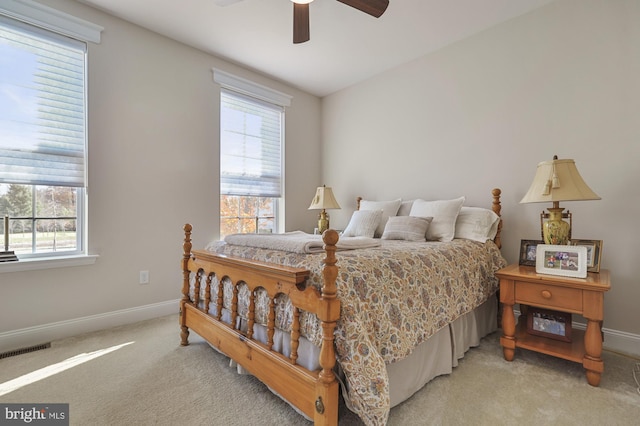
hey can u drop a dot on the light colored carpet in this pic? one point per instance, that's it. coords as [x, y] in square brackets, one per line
[155, 381]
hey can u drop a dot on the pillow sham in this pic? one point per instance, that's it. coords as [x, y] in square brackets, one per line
[363, 223]
[389, 208]
[444, 214]
[408, 228]
[477, 224]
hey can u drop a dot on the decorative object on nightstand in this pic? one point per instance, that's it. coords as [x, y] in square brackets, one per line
[528, 252]
[594, 252]
[547, 323]
[324, 199]
[567, 261]
[555, 181]
[6, 255]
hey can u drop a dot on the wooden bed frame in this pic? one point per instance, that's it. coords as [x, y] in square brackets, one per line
[314, 393]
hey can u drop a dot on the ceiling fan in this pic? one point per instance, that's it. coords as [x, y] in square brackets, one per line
[374, 8]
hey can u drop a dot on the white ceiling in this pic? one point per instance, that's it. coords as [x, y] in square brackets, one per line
[346, 46]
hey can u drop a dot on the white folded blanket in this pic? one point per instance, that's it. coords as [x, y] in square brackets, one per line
[297, 242]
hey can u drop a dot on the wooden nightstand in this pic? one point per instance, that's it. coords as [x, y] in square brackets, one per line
[584, 296]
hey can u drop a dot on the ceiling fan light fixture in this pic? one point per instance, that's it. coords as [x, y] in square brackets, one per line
[302, 1]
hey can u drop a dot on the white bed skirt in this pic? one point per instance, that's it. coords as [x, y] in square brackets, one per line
[441, 352]
[435, 357]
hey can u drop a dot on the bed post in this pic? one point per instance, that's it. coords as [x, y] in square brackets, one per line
[186, 247]
[326, 403]
[497, 207]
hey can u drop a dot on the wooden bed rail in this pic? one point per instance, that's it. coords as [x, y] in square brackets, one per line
[315, 393]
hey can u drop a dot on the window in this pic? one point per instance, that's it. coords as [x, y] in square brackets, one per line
[251, 156]
[42, 140]
[43, 219]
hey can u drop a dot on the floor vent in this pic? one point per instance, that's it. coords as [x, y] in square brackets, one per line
[25, 350]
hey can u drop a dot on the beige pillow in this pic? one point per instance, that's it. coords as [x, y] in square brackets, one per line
[363, 223]
[389, 208]
[408, 228]
[444, 214]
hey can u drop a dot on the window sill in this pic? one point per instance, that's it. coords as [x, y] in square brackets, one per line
[47, 263]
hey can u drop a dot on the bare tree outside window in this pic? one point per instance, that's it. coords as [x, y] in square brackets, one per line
[243, 214]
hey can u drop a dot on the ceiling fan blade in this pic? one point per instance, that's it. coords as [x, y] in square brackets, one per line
[300, 22]
[373, 7]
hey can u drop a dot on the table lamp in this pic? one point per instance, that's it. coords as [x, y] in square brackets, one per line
[555, 181]
[323, 199]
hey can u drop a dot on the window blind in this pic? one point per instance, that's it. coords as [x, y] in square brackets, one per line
[250, 147]
[42, 107]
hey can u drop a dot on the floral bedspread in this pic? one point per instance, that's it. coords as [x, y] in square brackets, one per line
[393, 298]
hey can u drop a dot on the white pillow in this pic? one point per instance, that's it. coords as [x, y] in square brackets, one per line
[408, 228]
[389, 208]
[444, 214]
[477, 224]
[363, 223]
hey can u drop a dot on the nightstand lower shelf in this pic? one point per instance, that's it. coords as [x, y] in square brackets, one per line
[571, 351]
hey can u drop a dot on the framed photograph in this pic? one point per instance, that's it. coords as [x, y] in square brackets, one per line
[594, 253]
[528, 252]
[568, 261]
[551, 324]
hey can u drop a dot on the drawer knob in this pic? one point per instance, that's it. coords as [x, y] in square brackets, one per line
[546, 294]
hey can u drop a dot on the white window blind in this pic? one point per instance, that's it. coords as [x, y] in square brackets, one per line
[42, 107]
[250, 146]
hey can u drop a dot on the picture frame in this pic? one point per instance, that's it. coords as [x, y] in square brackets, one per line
[568, 261]
[547, 323]
[528, 252]
[594, 253]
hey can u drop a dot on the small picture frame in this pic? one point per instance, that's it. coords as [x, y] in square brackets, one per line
[528, 252]
[546, 323]
[594, 253]
[568, 261]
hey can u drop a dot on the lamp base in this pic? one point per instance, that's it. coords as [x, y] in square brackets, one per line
[555, 230]
[323, 222]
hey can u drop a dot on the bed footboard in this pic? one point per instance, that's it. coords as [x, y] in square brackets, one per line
[315, 393]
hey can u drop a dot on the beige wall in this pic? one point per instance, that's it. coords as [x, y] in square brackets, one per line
[479, 114]
[153, 166]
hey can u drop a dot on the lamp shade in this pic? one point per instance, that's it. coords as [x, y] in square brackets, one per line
[558, 180]
[324, 199]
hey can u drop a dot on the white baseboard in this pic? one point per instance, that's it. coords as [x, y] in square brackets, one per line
[31, 336]
[620, 341]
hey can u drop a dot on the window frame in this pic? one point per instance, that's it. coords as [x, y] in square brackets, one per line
[260, 93]
[58, 23]
[35, 216]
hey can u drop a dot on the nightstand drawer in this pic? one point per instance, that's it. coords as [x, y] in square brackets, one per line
[560, 298]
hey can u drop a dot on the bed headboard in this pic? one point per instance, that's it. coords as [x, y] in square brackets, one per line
[496, 206]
